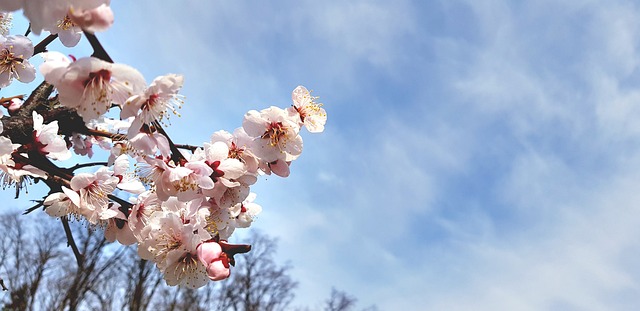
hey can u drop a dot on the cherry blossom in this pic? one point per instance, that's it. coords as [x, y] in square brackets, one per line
[157, 100]
[246, 211]
[127, 181]
[15, 52]
[225, 169]
[46, 13]
[91, 85]
[185, 182]
[144, 206]
[68, 31]
[147, 140]
[171, 244]
[92, 20]
[238, 143]
[60, 204]
[275, 134]
[311, 114]
[94, 189]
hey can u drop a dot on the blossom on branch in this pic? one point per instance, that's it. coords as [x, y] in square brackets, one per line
[92, 20]
[15, 52]
[311, 114]
[183, 202]
[91, 85]
[275, 134]
[157, 100]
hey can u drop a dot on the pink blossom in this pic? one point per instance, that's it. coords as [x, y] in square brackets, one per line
[156, 101]
[92, 20]
[225, 169]
[145, 205]
[68, 32]
[145, 139]
[15, 52]
[127, 182]
[247, 211]
[311, 114]
[60, 204]
[46, 13]
[275, 134]
[94, 190]
[91, 85]
[171, 244]
[238, 143]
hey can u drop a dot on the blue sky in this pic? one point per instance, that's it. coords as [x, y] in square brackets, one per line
[478, 154]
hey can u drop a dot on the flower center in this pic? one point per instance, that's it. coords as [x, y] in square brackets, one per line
[276, 131]
[8, 61]
[66, 23]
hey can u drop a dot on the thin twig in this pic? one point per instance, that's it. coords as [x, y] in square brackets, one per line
[81, 165]
[33, 208]
[98, 50]
[71, 242]
[42, 46]
[187, 147]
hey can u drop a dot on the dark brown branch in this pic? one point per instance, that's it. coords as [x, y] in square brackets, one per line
[42, 46]
[98, 50]
[33, 208]
[81, 165]
[71, 242]
[187, 147]
[20, 127]
[38, 98]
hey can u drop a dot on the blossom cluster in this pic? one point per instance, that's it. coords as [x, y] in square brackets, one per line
[183, 202]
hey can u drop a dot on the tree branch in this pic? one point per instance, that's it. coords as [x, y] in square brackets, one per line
[71, 242]
[98, 50]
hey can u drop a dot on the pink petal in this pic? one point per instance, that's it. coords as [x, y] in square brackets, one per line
[208, 252]
[217, 271]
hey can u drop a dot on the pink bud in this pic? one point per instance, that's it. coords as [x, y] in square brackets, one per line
[218, 270]
[208, 252]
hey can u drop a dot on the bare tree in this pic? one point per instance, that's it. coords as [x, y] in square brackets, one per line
[259, 283]
[42, 273]
[339, 301]
[142, 282]
[27, 257]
